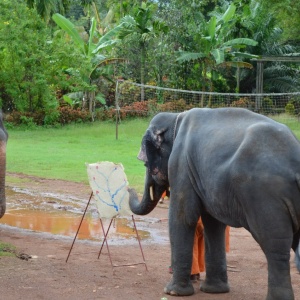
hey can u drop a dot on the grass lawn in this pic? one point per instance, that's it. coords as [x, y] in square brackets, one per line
[62, 153]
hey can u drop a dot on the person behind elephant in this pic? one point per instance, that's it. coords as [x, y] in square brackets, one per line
[164, 195]
[198, 264]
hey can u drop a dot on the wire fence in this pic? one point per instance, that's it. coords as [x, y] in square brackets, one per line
[133, 99]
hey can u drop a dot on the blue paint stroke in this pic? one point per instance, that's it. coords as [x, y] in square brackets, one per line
[108, 189]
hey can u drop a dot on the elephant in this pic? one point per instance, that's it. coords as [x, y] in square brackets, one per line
[229, 166]
[3, 142]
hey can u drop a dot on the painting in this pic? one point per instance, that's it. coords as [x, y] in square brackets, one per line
[109, 184]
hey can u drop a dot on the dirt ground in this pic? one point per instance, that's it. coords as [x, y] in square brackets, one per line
[46, 275]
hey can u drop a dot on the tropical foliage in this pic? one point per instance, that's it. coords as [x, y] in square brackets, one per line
[58, 57]
[93, 55]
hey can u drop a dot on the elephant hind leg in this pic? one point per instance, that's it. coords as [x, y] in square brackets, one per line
[296, 248]
[276, 245]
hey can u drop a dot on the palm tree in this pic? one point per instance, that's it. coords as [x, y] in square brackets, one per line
[140, 29]
[261, 24]
[120, 8]
[46, 8]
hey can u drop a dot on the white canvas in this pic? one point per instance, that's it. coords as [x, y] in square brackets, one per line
[109, 185]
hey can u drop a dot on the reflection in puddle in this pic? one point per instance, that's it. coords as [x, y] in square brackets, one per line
[61, 215]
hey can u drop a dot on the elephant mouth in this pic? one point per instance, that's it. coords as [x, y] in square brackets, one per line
[160, 178]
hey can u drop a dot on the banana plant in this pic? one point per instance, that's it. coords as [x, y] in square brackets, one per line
[94, 54]
[214, 47]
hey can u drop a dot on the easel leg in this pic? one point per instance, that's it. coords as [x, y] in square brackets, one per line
[105, 240]
[79, 226]
[138, 238]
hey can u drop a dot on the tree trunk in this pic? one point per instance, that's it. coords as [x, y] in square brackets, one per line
[92, 103]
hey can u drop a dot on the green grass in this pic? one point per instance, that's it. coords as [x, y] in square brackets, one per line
[292, 122]
[7, 249]
[62, 153]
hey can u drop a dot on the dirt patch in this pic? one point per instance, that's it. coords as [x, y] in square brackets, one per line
[46, 275]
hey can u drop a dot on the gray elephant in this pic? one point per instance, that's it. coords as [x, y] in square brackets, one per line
[3, 141]
[231, 167]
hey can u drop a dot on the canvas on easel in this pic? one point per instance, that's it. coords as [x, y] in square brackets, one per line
[109, 184]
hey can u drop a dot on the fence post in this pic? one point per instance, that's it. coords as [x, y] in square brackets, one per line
[259, 84]
[117, 94]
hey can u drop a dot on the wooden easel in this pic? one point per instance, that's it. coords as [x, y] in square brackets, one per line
[105, 239]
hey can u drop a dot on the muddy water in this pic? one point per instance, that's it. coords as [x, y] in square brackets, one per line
[61, 215]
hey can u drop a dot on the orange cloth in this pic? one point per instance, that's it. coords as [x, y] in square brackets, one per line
[198, 264]
[164, 195]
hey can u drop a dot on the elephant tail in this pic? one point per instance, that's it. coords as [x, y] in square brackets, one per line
[296, 241]
[297, 257]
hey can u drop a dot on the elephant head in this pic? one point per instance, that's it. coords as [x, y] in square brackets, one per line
[3, 141]
[155, 151]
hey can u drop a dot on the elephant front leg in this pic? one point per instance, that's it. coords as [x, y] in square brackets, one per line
[182, 239]
[216, 280]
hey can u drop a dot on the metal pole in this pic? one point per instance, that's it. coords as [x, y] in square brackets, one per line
[79, 227]
[117, 109]
[259, 84]
[138, 238]
[117, 95]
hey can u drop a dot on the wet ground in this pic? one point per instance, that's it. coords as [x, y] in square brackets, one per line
[60, 215]
[47, 275]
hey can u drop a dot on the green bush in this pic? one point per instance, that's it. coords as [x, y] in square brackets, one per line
[52, 118]
[267, 105]
[290, 109]
[28, 122]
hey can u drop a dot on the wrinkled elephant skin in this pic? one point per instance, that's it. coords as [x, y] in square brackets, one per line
[229, 166]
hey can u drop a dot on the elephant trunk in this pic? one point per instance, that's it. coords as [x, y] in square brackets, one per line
[152, 194]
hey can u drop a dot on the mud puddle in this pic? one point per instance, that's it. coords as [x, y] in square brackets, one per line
[60, 215]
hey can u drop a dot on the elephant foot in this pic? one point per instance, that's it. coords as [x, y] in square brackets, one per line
[174, 289]
[215, 288]
[280, 293]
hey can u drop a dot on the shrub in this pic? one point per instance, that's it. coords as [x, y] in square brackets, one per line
[267, 105]
[51, 118]
[290, 109]
[28, 122]
[25, 118]
[243, 102]
[69, 115]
